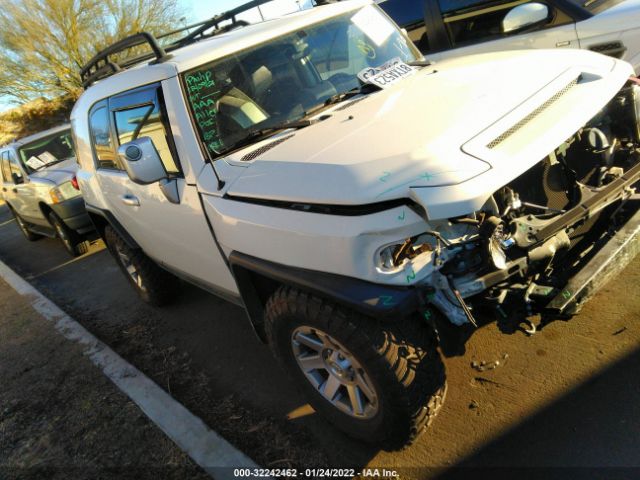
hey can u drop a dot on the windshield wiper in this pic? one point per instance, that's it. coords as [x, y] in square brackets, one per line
[341, 97]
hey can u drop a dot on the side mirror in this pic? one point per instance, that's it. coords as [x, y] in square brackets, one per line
[17, 178]
[524, 16]
[142, 161]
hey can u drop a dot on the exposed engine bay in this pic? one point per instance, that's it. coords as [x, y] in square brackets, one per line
[535, 233]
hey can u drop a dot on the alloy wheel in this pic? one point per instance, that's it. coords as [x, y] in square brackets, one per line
[334, 372]
[130, 268]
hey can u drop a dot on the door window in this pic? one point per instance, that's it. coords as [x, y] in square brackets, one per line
[101, 138]
[473, 21]
[139, 114]
[409, 14]
[14, 166]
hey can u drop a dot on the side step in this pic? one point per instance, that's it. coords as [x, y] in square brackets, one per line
[612, 258]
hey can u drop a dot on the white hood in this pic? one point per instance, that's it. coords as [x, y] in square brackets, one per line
[432, 130]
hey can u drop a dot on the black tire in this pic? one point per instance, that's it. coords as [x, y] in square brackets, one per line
[400, 358]
[153, 284]
[28, 234]
[73, 243]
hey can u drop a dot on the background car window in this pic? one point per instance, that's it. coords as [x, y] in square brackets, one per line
[14, 165]
[145, 121]
[6, 169]
[103, 147]
[473, 21]
[46, 151]
[409, 14]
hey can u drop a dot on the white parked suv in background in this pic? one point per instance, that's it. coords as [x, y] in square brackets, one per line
[451, 28]
[40, 188]
[359, 203]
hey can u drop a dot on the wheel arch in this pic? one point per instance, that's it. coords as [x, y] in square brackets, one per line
[258, 279]
[102, 218]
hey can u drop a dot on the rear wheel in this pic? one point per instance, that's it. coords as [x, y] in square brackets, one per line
[74, 243]
[378, 382]
[28, 234]
[153, 284]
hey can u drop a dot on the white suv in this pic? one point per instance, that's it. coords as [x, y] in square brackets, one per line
[40, 188]
[356, 201]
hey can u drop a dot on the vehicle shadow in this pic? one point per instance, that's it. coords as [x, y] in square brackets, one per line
[592, 431]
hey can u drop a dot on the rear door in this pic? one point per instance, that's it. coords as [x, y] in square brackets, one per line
[25, 192]
[475, 26]
[175, 235]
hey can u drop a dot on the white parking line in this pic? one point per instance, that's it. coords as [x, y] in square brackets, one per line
[208, 449]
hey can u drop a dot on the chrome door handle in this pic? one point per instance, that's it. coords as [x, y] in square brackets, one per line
[130, 200]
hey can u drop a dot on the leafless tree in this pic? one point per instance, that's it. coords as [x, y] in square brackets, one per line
[44, 43]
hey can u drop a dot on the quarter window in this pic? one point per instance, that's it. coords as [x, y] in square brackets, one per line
[101, 137]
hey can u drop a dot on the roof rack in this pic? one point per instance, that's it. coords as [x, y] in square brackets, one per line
[101, 66]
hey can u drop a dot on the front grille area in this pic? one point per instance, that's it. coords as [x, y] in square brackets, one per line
[505, 135]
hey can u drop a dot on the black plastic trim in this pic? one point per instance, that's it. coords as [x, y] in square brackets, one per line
[374, 300]
[339, 210]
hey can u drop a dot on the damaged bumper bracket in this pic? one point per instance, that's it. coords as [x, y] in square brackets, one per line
[612, 258]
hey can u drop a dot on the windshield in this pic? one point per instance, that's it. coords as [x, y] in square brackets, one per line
[46, 151]
[281, 81]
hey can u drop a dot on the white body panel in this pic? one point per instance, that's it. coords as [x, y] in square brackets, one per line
[423, 139]
[161, 228]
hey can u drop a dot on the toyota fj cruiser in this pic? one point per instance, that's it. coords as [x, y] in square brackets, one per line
[358, 202]
[40, 188]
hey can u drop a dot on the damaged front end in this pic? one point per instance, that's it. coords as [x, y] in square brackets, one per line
[548, 239]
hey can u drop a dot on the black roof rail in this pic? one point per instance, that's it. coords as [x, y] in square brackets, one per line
[216, 20]
[100, 66]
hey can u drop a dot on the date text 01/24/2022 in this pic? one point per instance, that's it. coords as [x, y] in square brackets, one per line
[314, 472]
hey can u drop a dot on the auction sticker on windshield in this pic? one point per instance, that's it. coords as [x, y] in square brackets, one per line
[388, 74]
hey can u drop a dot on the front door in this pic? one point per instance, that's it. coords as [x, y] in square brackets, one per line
[175, 235]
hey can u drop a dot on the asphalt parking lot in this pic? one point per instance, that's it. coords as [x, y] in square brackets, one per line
[568, 397]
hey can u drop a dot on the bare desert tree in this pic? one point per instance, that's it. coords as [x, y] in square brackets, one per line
[44, 43]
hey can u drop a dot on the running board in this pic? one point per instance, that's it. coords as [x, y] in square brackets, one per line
[612, 258]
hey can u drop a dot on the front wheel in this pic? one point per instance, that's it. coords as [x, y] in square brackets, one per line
[153, 284]
[378, 382]
[74, 243]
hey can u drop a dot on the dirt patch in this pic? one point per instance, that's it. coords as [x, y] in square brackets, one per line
[60, 418]
[270, 441]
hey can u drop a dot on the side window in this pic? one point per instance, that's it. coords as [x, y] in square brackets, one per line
[409, 14]
[101, 138]
[6, 169]
[14, 165]
[474, 21]
[140, 114]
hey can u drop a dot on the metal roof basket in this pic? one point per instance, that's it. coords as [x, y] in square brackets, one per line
[103, 65]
